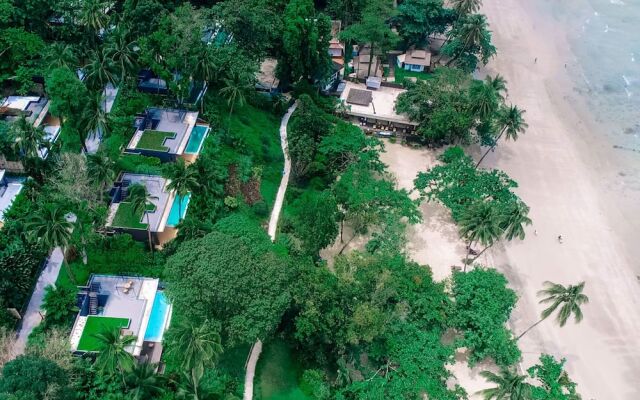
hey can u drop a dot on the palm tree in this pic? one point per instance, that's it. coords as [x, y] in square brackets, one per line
[102, 170]
[570, 298]
[94, 116]
[498, 83]
[484, 100]
[114, 357]
[141, 200]
[464, 7]
[99, 70]
[512, 124]
[235, 88]
[198, 346]
[513, 221]
[93, 15]
[122, 52]
[27, 139]
[143, 382]
[52, 229]
[471, 33]
[479, 223]
[207, 67]
[61, 55]
[182, 179]
[509, 386]
[191, 388]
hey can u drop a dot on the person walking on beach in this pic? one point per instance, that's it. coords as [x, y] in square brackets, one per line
[560, 239]
[535, 60]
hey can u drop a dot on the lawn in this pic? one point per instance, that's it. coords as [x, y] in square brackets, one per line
[88, 341]
[278, 373]
[401, 74]
[126, 218]
[154, 140]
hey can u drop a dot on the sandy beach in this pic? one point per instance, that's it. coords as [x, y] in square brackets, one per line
[578, 186]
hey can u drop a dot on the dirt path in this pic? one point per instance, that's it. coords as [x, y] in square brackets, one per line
[273, 226]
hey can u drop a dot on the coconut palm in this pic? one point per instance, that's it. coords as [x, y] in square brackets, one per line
[51, 229]
[60, 54]
[94, 116]
[100, 70]
[144, 383]
[182, 179]
[236, 86]
[471, 33]
[464, 7]
[114, 357]
[122, 52]
[569, 299]
[509, 385]
[197, 346]
[498, 83]
[514, 219]
[141, 200]
[102, 171]
[27, 139]
[93, 15]
[192, 388]
[480, 223]
[484, 100]
[512, 123]
[206, 68]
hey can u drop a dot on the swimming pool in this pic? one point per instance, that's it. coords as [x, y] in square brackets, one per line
[180, 204]
[159, 318]
[198, 134]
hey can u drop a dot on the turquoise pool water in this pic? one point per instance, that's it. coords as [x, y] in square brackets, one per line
[198, 134]
[174, 214]
[159, 318]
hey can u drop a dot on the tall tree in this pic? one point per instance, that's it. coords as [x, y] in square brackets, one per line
[465, 7]
[509, 385]
[99, 70]
[68, 97]
[143, 382]
[113, 357]
[570, 299]
[235, 89]
[469, 42]
[196, 346]
[102, 171]
[511, 121]
[27, 139]
[305, 44]
[480, 223]
[59, 303]
[31, 377]
[50, 228]
[141, 200]
[182, 180]
[555, 383]
[513, 219]
[122, 51]
[373, 29]
[316, 221]
[417, 20]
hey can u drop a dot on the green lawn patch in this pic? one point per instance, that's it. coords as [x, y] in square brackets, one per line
[95, 324]
[401, 74]
[126, 218]
[278, 373]
[154, 140]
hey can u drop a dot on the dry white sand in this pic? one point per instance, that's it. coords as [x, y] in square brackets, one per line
[578, 186]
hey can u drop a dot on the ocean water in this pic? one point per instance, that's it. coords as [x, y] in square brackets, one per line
[604, 36]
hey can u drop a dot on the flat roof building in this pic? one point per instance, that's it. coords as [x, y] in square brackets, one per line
[375, 106]
[9, 190]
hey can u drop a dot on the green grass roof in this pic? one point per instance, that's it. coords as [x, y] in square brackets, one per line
[126, 218]
[96, 324]
[153, 140]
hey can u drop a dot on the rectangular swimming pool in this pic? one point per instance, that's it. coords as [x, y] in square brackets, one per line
[198, 134]
[180, 205]
[159, 318]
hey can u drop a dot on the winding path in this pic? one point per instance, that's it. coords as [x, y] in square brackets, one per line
[273, 225]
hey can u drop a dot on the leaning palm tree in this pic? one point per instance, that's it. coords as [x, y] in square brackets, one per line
[94, 116]
[471, 33]
[484, 100]
[509, 385]
[513, 221]
[207, 67]
[102, 171]
[569, 299]
[236, 86]
[512, 123]
[480, 223]
[114, 357]
[27, 139]
[143, 382]
[498, 83]
[99, 70]
[197, 346]
[51, 228]
[464, 7]
[141, 201]
[182, 179]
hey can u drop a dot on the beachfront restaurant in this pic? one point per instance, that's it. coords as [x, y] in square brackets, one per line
[163, 214]
[168, 134]
[133, 305]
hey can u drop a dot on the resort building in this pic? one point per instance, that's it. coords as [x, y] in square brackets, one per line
[168, 134]
[375, 109]
[134, 305]
[415, 60]
[149, 82]
[163, 214]
[365, 65]
[9, 190]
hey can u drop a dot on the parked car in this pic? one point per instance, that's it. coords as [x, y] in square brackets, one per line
[385, 134]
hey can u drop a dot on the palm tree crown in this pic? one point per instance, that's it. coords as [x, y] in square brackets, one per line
[114, 357]
[511, 119]
[143, 382]
[514, 220]
[569, 299]
[198, 346]
[463, 7]
[182, 179]
[508, 386]
[27, 139]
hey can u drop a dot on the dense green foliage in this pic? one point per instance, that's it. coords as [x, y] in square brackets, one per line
[29, 377]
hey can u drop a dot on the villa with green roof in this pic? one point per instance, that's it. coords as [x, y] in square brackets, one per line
[168, 134]
[133, 305]
[162, 216]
